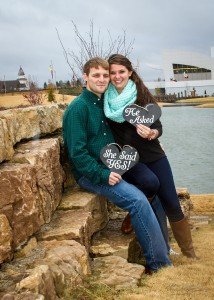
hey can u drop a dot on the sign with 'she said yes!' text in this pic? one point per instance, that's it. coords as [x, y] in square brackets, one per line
[135, 114]
[117, 159]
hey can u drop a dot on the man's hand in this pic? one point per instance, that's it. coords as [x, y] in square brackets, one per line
[114, 178]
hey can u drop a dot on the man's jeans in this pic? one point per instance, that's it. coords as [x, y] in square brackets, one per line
[144, 221]
[161, 217]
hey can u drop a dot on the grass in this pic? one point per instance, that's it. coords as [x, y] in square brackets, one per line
[207, 102]
[197, 100]
[187, 280]
[10, 100]
[13, 100]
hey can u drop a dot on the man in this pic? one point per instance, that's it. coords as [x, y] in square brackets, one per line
[85, 133]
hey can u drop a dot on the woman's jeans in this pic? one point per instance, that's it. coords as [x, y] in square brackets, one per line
[147, 229]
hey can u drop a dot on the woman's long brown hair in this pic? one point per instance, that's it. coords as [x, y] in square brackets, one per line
[143, 94]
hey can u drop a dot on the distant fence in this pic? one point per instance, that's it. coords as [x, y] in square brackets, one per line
[166, 98]
[173, 98]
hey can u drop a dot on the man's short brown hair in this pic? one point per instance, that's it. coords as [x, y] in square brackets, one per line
[95, 63]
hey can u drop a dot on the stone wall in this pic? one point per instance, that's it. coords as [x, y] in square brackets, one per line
[31, 176]
[44, 216]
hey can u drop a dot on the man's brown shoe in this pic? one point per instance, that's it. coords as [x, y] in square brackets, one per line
[126, 226]
[148, 271]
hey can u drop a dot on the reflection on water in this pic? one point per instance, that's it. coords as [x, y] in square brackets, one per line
[188, 140]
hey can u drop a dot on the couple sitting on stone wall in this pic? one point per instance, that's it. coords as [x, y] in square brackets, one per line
[95, 120]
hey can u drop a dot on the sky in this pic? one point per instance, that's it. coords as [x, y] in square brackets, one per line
[28, 32]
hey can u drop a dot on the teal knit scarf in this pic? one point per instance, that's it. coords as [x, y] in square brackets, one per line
[115, 103]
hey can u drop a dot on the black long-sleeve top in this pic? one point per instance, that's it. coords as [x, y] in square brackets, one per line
[126, 134]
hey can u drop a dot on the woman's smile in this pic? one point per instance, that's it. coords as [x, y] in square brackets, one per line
[119, 76]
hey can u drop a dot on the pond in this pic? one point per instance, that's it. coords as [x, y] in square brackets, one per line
[188, 140]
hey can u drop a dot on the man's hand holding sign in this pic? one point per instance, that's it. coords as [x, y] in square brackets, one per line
[118, 160]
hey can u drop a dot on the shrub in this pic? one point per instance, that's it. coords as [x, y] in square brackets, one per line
[51, 96]
[34, 96]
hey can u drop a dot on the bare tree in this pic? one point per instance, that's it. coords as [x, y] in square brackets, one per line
[93, 45]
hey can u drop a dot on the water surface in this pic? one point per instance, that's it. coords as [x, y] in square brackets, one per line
[188, 140]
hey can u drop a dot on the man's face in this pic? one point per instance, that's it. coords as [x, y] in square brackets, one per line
[97, 80]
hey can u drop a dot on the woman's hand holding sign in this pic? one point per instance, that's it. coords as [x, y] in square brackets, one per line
[143, 118]
[143, 130]
[146, 133]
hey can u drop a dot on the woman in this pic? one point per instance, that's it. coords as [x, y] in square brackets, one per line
[153, 173]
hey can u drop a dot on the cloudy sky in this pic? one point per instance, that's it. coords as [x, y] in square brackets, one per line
[28, 36]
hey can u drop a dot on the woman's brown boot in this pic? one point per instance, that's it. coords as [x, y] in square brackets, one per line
[182, 234]
[126, 226]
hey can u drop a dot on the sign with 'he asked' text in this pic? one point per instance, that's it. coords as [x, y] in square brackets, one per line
[147, 115]
[117, 159]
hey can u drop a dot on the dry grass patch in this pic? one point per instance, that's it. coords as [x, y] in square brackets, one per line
[188, 279]
[207, 105]
[195, 100]
[203, 204]
[207, 102]
[17, 99]
[13, 100]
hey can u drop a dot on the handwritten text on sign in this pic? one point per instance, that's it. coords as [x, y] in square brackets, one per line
[119, 160]
[147, 115]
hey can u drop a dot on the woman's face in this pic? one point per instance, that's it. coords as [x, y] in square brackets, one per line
[119, 76]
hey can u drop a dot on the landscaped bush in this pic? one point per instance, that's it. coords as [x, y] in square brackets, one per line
[74, 91]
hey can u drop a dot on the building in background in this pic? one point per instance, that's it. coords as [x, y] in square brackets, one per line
[186, 74]
[20, 84]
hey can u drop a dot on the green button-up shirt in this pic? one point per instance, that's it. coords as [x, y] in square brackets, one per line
[85, 133]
